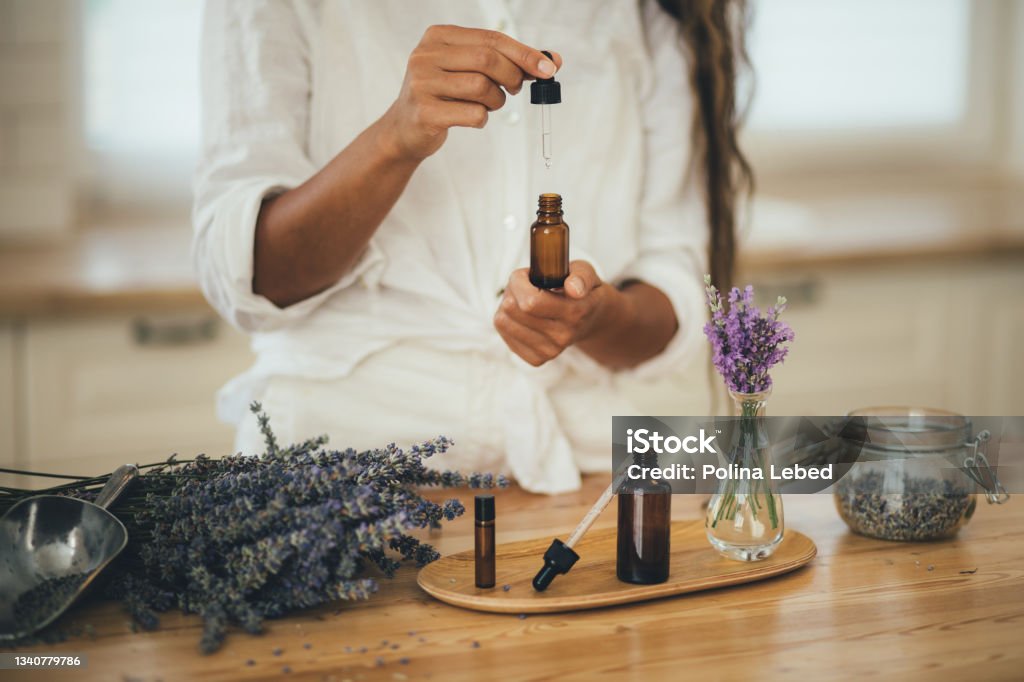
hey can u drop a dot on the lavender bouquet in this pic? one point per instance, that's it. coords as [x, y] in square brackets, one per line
[746, 344]
[240, 539]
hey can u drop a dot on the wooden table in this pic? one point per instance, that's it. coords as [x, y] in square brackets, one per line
[862, 608]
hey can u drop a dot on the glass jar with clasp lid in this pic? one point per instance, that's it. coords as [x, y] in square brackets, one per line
[915, 473]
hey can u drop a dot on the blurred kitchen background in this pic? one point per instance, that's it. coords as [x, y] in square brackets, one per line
[887, 135]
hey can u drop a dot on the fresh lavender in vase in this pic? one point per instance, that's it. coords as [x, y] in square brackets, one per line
[744, 520]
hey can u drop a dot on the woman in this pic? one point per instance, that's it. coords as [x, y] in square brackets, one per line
[350, 218]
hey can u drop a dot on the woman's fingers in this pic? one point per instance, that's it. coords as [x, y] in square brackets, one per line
[557, 331]
[478, 59]
[527, 343]
[538, 325]
[532, 61]
[470, 87]
[582, 279]
[465, 114]
[537, 302]
[453, 78]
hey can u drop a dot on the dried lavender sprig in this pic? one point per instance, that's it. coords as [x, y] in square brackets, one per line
[239, 539]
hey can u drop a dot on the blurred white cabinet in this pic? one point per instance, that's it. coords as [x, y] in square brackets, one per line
[81, 395]
[940, 334]
[101, 391]
[1006, 364]
[8, 437]
[993, 322]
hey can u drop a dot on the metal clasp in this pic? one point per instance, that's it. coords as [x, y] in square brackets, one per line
[977, 467]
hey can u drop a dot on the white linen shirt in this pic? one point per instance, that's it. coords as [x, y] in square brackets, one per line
[286, 85]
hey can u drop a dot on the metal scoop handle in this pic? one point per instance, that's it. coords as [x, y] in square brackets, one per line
[119, 481]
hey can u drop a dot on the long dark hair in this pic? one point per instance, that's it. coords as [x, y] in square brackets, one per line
[712, 33]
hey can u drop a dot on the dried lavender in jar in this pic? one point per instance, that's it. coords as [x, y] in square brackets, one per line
[927, 509]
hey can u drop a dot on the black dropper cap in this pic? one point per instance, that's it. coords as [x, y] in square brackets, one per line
[557, 560]
[546, 90]
[484, 507]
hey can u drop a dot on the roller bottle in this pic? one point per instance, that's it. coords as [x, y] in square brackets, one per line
[484, 540]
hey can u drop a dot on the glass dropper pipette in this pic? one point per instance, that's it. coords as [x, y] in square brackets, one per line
[561, 556]
[545, 133]
[545, 92]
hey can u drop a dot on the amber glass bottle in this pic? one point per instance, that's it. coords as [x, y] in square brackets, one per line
[645, 524]
[549, 244]
[484, 540]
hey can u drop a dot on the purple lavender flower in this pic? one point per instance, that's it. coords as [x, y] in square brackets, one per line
[241, 539]
[745, 344]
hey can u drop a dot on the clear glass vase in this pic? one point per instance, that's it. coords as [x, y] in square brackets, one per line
[744, 518]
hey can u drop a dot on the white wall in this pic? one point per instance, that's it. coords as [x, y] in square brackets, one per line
[1015, 147]
[36, 114]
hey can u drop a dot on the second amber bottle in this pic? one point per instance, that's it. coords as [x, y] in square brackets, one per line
[645, 527]
[549, 244]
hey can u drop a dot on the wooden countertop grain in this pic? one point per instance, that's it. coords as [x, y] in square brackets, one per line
[862, 609]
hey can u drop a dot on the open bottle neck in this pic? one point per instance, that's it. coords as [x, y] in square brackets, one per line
[549, 206]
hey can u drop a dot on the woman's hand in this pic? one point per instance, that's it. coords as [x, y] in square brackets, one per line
[537, 325]
[455, 77]
[619, 328]
[309, 236]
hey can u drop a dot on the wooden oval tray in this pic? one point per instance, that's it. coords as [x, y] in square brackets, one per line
[592, 583]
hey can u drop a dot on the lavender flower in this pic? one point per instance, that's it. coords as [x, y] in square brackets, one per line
[240, 539]
[745, 344]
